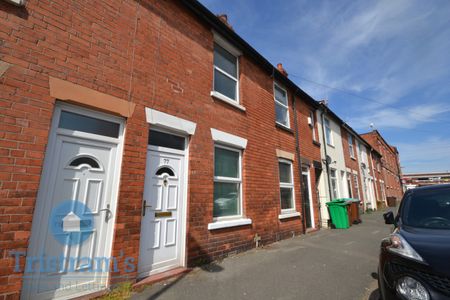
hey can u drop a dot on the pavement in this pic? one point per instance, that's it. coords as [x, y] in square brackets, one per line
[328, 264]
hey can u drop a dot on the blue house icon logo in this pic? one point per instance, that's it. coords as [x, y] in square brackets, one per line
[71, 222]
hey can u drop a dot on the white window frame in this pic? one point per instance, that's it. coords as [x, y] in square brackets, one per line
[330, 141]
[230, 180]
[350, 146]
[236, 143]
[362, 153]
[290, 185]
[282, 104]
[227, 46]
[313, 126]
[17, 2]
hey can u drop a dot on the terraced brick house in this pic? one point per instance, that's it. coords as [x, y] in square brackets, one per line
[133, 143]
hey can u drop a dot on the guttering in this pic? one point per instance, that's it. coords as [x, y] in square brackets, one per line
[299, 164]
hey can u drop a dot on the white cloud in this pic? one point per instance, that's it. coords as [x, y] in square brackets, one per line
[396, 118]
[387, 49]
[395, 52]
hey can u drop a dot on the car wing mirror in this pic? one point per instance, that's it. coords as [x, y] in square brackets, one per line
[389, 217]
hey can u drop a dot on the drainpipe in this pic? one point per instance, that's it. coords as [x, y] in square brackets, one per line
[325, 149]
[299, 159]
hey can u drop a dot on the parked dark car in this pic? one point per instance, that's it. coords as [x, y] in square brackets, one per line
[415, 258]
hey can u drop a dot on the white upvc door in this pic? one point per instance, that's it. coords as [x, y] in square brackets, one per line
[75, 208]
[163, 220]
[307, 196]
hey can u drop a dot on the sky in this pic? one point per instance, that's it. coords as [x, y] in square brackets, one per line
[384, 62]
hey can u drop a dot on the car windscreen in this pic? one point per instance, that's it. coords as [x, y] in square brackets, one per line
[429, 208]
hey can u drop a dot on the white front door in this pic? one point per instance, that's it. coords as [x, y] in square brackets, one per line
[75, 208]
[307, 197]
[162, 225]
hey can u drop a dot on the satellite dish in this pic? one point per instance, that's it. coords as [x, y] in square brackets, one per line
[329, 160]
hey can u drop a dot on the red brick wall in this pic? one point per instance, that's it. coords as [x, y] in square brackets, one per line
[91, 44]
[390, 162]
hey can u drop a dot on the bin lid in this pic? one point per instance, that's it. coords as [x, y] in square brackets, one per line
[339, 200]
[337, 203]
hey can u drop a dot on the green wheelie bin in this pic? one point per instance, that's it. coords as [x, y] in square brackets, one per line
[339, 213]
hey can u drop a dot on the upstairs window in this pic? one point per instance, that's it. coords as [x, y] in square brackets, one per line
[226, 73]
[362, 153]
[312, 125]
[328, 133]
[351, 149]
[281, 106]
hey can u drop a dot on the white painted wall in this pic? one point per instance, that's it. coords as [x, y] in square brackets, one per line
[367, 181]
[336, 152]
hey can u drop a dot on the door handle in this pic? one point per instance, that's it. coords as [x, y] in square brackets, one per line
[108, 212]
[144, 206]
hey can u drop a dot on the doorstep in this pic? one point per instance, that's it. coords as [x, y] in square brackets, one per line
[312, 230]
[161, 276]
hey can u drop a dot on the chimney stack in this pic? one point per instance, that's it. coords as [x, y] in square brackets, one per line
[281, 69]
[224, 19]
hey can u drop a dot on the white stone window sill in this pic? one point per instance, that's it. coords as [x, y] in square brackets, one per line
[289, 215]
[227, 100]
[284, 126]
[229, 223]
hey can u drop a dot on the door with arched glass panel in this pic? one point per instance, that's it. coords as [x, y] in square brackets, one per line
[74, 216]
[162, 217]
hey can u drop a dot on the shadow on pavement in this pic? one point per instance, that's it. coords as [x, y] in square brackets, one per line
[167, 286]
[212, 268]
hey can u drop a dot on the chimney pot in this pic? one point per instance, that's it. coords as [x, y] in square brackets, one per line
[281, 69]
[224, 19]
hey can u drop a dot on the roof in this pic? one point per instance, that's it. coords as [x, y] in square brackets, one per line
[344, 124]
[221, 28]
[375, 131]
